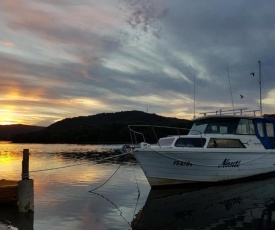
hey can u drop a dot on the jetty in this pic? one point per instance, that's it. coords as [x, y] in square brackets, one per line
[8, 191]
[19, 192]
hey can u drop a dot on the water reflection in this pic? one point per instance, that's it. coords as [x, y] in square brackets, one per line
[249, 205]
[62, 198]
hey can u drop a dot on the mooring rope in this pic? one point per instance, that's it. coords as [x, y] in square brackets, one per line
[106, 180]
[137, 196]
[113, 205]
[92, 191]
[194, 163]
[83, 163]
[136, 182]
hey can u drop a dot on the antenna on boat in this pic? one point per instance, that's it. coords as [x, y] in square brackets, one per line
[230, 88]
[260, 84]
[194, 96]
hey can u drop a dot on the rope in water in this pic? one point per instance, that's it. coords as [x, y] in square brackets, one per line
[113, 205]
[92, 191]
[137, 196]
[106, 180]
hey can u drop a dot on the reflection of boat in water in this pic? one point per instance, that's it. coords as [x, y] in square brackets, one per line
[217, 148]
[247, 205]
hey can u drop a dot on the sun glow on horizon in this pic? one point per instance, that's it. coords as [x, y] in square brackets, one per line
[9, 117]
[7, 123]
[10, 121]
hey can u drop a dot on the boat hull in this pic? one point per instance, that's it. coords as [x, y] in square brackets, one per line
[174, 167]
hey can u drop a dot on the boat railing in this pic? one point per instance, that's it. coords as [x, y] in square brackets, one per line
[135, 132]
[240, 111]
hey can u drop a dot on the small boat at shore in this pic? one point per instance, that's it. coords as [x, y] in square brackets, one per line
[218, 148]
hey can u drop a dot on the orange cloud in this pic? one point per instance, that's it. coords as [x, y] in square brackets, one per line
[8, 43]
[12, 3]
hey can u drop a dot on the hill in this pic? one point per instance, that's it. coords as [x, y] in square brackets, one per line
[100, 128]
[6, 131]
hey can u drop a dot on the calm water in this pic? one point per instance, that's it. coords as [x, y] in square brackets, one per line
[63, 200]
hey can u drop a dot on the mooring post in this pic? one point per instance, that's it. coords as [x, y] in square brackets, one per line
[25, 165]
[25, 187]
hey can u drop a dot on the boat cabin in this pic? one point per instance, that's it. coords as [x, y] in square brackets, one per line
[223, 125]
[224, 131]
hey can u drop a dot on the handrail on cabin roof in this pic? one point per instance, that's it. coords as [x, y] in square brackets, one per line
[231, 111]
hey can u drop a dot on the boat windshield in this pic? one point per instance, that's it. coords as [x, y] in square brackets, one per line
[167, 141]
[232, 125]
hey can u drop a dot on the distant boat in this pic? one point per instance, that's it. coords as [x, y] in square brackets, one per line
[217, 148]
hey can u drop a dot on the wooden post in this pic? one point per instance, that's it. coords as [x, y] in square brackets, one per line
[25, 187]
[25, 165]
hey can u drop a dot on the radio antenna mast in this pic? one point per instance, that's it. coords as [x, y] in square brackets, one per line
[194, 96]
[230, 89]
[260, 84]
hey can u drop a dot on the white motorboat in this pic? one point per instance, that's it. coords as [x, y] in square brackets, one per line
[217, 148]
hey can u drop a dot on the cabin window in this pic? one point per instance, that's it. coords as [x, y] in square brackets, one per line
[190, 142]
[215, 125]
[225, 143]
[223, 129]
[245, 126]
[198, 128]
[166, 141]
[260, 129]
[222, 126]
[269, 129]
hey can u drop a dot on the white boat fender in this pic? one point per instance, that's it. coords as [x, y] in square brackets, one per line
[144, 145]
[125, 149]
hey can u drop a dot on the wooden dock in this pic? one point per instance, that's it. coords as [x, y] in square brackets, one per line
[8, 191]
[19, 192]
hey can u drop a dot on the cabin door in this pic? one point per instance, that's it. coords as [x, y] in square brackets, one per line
[265, 129]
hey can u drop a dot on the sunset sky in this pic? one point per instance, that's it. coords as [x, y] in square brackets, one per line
[69, 58]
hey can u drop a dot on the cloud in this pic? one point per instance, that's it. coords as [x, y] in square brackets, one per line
[143, 16]
[71, 58]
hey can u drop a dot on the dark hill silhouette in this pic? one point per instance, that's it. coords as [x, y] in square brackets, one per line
[7, 130]
[105, 118]
[100, 128]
